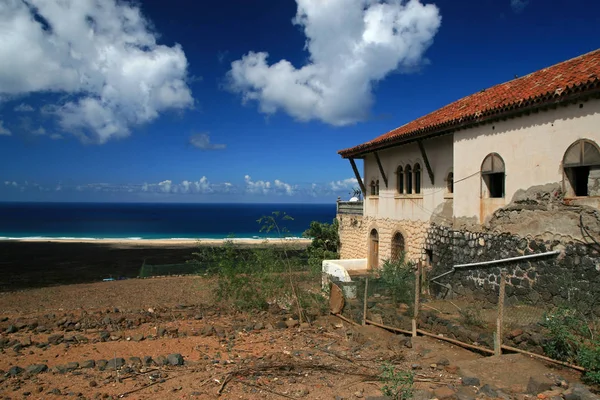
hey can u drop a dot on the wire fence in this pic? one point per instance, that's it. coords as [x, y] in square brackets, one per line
[498, 313]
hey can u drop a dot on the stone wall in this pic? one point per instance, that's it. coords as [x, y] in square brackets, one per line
[354, 233]
[571, 278]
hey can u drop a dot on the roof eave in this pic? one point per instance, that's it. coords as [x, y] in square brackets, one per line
[509, 111]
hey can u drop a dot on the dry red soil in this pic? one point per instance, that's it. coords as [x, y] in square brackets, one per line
[226, 354]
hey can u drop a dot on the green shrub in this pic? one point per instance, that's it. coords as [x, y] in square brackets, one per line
[571, 339]
[396, 384]
[250, 279]
[325, 243]
[399, 279]
[563, 341]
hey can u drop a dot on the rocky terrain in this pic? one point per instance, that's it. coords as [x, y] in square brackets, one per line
[165, 338]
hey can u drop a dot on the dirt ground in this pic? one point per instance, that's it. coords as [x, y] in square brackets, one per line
[266, 355]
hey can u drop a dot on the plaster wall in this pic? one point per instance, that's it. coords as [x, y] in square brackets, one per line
[415, 207]
[532, 148]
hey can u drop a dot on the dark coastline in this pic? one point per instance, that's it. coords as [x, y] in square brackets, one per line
[36, 264]
[33, 264]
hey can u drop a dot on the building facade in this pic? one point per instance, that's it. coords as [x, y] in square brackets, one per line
[511, 170]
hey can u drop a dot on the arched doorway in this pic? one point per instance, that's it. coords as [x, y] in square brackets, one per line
[397, 246]
[373, 249]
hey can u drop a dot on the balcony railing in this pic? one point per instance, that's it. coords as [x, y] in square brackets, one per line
[350, 207]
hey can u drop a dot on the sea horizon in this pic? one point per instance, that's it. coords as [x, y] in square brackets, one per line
[153, 221]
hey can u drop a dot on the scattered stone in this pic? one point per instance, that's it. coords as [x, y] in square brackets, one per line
[148, 361]
[93, 384]
[104, 336]
[538, 385]
[55, 391]
[470, 381]
[135, 361]
[101, 364]
[72, 366]
[161, 360]
[198, 317]
[35, 369]
[175, 359]
[443, 361]
[88, 364]
[161, 331]
[115, 363]
[137, 338]
[258, 326]
[59, 369]
[15, 370]
[55, 339]
[26, 342]
[358, 395]
[488, 391]
[579, 392]
[11, 329]
[281, 325]
[416, 366]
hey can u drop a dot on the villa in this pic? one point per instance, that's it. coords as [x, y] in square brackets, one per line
[507, 171]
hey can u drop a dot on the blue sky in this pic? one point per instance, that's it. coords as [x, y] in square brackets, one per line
[178, 101]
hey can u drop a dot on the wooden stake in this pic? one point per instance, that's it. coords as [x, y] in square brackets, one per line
[389, 328]
[500, 319]
[456, 342]
[365, 301]
[417, 299]
[516, 350]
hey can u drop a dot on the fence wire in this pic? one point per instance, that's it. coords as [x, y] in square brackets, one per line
[495, 312]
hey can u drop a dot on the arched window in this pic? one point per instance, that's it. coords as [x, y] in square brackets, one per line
[400, 177]
[581, 158]
[408, 179]
[417, 172]
[450, 182]
[374, 249]
[397, 246]
[377, 187]
[492, 173]
[373, 188]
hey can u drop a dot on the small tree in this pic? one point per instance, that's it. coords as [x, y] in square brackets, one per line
[325, 243]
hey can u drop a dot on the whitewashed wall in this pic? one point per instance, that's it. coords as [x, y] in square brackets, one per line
[532, 147]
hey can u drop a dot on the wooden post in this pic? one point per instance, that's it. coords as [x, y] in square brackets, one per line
[500, 319]
[417, 297]
[366, 296]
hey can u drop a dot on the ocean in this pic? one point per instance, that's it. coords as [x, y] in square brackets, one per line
[152, 220]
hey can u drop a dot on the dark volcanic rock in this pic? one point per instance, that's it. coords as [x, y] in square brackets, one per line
[115, 363]
[35, 369]
[175, 359]
[14, 370]
[88, 364]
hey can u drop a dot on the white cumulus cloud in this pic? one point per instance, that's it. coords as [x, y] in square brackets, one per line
[266, 187]
[3, 130]
[202, 142]
[353, 44]
[101, 53]
[349, 183]
[24, 108]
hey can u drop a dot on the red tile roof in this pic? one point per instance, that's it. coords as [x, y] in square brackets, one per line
[558, 83]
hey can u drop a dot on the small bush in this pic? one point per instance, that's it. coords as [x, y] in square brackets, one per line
[396, 384]
[399, 279]
[325, 243]
[571, 339]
